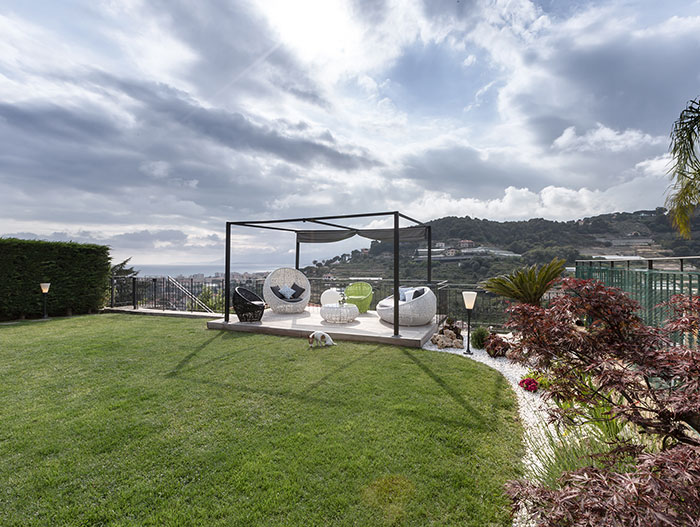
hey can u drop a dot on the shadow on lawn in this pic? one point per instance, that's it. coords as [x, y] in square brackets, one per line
[442, 384]
[345, 366]
[191, 356]
[472, 418]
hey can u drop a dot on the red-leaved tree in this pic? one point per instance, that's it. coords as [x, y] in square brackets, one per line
[643, 377]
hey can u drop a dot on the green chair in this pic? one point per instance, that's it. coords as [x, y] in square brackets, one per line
[360, 294]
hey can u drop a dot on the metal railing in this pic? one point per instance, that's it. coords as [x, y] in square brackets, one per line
[208, 295]
[166, 293]
[192, 298]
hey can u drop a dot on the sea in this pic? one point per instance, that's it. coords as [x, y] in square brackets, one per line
[193, 269]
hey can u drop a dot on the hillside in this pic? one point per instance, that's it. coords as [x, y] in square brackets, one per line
[645, 233]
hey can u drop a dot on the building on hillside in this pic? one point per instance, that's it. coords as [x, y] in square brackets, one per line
[439, 245]
[451, 251]
[466, 244]
[328, 276]
[627, 242]
[423, 253]
[488, 251]
[364, 251]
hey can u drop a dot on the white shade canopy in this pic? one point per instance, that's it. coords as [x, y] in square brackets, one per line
[469, 299]
[45, 287]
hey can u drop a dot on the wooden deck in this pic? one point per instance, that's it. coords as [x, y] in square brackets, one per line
[365, 328]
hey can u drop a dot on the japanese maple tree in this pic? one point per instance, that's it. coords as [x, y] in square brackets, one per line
[641, 376]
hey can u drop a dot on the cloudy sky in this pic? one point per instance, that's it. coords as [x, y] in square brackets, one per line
[145, 125]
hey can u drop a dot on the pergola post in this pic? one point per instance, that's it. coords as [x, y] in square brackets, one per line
[296, 264]
[396, 274]
[430, 254]
[227, 277]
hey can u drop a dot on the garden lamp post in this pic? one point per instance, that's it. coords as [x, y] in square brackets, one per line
[469, 299]
[45, 291]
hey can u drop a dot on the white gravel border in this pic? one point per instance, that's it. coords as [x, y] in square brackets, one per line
[531, 406]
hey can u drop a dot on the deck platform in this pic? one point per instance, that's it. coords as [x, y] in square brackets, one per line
[365, 328]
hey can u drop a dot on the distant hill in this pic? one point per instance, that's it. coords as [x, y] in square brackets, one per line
[645, 233]
[622, 231]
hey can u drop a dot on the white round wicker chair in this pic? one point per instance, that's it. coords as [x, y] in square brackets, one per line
[415, 312]
[287, 277]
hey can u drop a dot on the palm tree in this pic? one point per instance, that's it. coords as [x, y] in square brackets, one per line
[685, 142]
[528, 284]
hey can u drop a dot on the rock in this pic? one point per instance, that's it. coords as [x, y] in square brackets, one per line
[449, 334]
[457, 343]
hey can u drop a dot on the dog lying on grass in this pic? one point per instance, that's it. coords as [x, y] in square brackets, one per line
[320, 338]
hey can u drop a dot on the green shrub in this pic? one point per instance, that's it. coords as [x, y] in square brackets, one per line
[479, 336]
[78, 273]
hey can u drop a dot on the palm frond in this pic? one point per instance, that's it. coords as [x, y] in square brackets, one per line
[685, 170]
[528, 284]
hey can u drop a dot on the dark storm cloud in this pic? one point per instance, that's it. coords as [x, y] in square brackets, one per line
[634, 83]
[81, 152]
[625, 81]
[235, 130]
[546, 126]
[144, 239]
[147, 239]
[461, 171]
[49, 121]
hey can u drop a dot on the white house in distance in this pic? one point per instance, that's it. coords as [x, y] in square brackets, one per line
[466, 244]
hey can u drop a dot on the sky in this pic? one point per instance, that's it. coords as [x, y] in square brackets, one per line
[146, 125]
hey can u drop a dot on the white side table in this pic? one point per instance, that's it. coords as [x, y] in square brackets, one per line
[339, 313]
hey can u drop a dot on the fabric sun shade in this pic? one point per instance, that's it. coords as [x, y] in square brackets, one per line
[406, 234]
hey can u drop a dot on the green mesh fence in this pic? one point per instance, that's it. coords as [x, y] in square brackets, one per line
[649, 287]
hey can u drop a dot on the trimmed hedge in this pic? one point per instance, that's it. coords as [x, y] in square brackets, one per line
[79, 276]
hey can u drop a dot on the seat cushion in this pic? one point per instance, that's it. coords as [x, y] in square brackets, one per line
[287, 292]
[403, 291]
[298, 291]
[276, 291]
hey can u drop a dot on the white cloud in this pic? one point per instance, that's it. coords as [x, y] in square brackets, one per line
[604, 138]
[471, 59]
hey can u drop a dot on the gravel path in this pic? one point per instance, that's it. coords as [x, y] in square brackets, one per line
[531, 406]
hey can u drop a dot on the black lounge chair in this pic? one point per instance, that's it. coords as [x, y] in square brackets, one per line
[248, 306]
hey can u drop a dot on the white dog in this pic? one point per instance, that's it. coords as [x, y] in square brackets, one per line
[321, 339]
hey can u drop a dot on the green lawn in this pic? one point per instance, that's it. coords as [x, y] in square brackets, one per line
[136, 420]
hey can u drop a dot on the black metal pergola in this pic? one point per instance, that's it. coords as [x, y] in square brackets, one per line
[339, 232]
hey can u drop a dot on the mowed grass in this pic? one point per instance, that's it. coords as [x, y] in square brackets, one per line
[134, 420]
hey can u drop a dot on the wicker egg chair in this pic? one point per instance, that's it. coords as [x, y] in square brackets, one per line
[288, 277]
[418, 311]
[360, 294]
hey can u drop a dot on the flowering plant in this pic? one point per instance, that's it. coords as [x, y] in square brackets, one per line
[529, 384]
